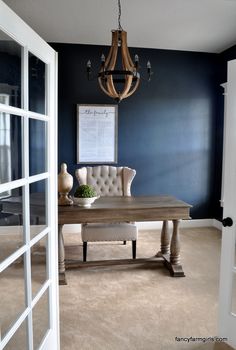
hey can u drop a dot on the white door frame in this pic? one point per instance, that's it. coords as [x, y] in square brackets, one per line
[18, 30]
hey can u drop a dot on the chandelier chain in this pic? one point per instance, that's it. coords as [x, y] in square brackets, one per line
[119, 15]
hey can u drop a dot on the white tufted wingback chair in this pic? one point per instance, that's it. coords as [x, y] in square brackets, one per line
[108, 181]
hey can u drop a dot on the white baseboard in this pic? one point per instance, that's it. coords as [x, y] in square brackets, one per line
[155, 225]
[217, 224]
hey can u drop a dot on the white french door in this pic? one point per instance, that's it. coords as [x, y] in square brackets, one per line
[28, 188]
[227, 299]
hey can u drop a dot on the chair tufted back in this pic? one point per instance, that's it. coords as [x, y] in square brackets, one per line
[107, 180]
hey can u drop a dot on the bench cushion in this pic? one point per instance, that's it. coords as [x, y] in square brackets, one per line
[109, 232]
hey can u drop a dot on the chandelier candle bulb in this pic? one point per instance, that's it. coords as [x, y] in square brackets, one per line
[88, 69]
[149, 70]
[89, 64]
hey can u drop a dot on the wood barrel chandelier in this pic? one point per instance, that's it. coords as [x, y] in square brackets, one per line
[118, 76]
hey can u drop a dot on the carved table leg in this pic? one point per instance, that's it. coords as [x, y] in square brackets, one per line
[172, 261]
[174, 264]
[175, 244]
[165, 238]
[61, 257]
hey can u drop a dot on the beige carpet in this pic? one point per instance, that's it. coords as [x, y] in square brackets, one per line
[140, 307]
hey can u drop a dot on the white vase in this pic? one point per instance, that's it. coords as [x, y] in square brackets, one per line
[65, 184]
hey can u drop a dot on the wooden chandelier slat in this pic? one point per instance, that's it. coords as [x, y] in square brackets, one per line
[128, 64]
[134, 88]
[129, 70]
[114, 51]
[100, 81]
[127, 86]
[111, 87]
[111, 65]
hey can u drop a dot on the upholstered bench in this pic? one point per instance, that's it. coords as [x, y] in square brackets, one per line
[108, 181]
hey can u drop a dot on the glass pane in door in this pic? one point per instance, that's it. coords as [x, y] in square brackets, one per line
[37, 70]
[37, 147]
[38, 207]
[12, 294]
[41, 320]
[19, 339]
[11, 223]
[39, 265]
[10, 148]
[10, 68]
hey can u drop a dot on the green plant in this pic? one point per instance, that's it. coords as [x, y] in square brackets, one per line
[85, 191]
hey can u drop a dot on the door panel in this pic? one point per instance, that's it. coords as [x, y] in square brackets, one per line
[233, 299]
[227, 316]
[28, 188]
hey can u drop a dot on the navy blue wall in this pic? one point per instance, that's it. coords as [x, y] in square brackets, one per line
[167, 129]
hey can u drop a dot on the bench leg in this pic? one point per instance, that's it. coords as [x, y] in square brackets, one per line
[134, 249]
[85, 251]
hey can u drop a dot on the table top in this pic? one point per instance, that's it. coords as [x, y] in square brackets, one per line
[110, 209]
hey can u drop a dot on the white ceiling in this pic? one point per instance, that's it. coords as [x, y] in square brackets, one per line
[194, 25]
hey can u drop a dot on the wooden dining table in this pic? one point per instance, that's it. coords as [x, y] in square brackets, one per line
[124, 209]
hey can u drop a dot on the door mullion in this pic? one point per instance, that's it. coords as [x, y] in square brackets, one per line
[28, 287]
[25, 79]
[26, 197]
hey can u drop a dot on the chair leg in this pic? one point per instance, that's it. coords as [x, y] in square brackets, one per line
[134, 249]
[84, 251]
[124, 242]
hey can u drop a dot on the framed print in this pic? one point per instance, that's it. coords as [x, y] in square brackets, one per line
[97, 133]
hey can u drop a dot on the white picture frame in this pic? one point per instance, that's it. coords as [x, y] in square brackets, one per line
[97, 133]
